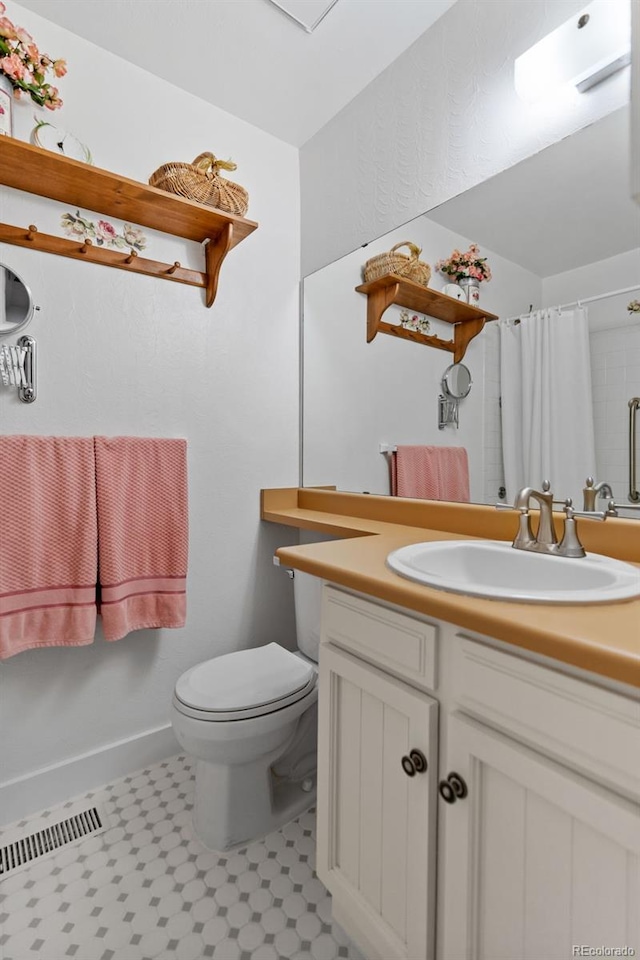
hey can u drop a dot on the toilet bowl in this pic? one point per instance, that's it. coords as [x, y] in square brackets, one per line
[250, 720]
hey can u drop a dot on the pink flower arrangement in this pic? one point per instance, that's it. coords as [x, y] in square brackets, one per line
[24, 65]
[468, 264]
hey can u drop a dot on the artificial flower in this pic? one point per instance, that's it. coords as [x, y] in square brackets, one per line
[466, 265]
[24, 65]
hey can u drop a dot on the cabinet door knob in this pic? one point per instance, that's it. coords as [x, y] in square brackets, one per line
[408, 766]
[458, 785]
[446, 791]
[453, 788]
[416, 762]
[419, 760]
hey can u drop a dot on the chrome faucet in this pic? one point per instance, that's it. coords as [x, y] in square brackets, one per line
[592, 490]
[546, 535]
[545, 540]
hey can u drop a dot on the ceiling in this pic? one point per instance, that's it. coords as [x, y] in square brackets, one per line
[566, 206]
[248, 57]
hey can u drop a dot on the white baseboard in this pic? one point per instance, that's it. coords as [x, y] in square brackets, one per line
[54, 784]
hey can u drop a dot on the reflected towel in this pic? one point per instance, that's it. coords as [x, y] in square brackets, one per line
[48, 543]
[430, 473]
[141, 488]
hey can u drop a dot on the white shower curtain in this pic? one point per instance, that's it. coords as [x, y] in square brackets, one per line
[547, 410]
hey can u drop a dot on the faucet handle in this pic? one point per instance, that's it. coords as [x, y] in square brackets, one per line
[587, 514]
[546, 486]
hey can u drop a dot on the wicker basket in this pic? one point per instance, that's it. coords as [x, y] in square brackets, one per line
[201, 181]
[399, 263]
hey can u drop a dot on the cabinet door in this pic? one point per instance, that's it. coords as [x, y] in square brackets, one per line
[376, 823]
[537, 859]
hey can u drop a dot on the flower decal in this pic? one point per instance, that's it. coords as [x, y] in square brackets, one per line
[414, 321]
[103, 233]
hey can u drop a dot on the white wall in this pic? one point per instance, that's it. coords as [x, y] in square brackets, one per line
[358, 395]
[440, 119]
[615, 357]
[123, 353]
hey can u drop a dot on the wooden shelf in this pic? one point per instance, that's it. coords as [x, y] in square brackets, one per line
[392, 289]
[41, 172]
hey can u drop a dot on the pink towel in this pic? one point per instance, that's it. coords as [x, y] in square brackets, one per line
[142, 533]
[48, 543]
[430, 473]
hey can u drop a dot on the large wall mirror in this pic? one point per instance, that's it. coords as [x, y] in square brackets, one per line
[558, 229]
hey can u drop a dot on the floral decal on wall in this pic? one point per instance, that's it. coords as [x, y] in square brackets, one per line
[634, 306]
[103, 233]
[414, 321]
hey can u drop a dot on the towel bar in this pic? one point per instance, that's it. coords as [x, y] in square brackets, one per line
[634, 493]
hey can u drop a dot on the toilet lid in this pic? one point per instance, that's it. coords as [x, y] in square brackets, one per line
[244, 679]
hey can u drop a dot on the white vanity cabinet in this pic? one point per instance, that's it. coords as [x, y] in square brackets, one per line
[377, 791]
[537, 858]
[538, 848]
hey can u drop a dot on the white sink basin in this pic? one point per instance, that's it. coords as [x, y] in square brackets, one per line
[495, 570]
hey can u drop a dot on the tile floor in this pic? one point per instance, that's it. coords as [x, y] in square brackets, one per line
[146, 888]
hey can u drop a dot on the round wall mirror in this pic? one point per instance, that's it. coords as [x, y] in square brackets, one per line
[16, 302]
[456, 381]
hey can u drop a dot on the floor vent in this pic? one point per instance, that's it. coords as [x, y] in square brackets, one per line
[26, 850]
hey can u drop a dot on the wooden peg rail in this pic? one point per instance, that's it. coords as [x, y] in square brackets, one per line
[86, 250]
[82, 186]
[468, 320]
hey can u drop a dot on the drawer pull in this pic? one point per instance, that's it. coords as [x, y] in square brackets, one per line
[453, 788]
[416, 762]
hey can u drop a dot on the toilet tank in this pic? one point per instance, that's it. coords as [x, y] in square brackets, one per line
[307, 596]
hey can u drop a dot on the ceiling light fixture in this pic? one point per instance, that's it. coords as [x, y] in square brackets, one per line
[306, 13]
[585, 50]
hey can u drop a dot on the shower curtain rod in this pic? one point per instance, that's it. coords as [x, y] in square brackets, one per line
[578, 303]
[601, 296]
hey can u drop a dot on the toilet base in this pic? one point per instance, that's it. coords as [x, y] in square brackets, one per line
[261, 802]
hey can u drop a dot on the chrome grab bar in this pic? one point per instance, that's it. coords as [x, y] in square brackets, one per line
[634, 493]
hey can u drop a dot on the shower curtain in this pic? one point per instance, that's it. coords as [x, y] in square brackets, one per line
[547, 410]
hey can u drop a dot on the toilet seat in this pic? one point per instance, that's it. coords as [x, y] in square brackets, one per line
[244, 684]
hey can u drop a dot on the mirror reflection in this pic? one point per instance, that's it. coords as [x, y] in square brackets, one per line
[16, 305]
[561, 237]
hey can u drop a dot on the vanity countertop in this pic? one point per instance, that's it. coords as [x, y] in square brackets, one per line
[601, 638]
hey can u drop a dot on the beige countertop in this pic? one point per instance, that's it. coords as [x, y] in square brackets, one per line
[601, 638]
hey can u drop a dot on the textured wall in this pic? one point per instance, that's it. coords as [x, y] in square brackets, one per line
[440, 119]
[126, 354]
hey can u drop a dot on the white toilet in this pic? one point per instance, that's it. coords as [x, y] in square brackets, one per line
[250, 719]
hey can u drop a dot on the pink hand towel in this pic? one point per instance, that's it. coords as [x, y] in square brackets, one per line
[430, 473]
[48, 543]
[142, 533]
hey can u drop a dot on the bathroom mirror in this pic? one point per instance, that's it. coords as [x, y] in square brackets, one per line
[558, 227]
[16, 303]
[456, 381]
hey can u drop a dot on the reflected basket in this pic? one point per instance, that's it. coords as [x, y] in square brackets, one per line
[402, 264]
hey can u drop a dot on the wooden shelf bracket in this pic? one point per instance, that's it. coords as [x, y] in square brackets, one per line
[215, 251]
[468, 320]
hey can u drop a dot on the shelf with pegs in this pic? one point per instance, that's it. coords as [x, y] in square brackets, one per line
[85, 250]
[46, 174]
[468, 320]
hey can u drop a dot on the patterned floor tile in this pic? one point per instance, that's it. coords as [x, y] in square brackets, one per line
[146, 888]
